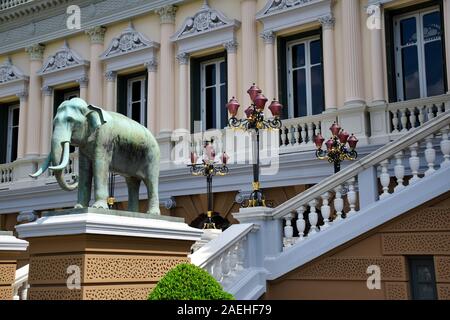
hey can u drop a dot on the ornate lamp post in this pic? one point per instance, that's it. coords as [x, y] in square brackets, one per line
[337, 150]
[111, 183]
[209, 168]
[254, 122]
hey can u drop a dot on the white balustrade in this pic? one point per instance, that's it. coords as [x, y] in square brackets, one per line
[7, 4]
[445, 148]
[300, 132]
[385, 179]
[399, 170]
[325, 210]
[6, 173]
[301, 223]
[430, 156]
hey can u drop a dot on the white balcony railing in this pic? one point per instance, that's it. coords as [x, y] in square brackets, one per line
[7, 4]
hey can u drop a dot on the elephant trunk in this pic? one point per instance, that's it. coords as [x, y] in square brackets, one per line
[60, 157]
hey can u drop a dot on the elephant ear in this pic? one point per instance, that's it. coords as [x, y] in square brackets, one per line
[97, 116]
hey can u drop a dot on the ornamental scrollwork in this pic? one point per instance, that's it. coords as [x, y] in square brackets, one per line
[62, 59]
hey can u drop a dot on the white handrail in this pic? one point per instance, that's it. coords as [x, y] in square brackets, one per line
[21, 279]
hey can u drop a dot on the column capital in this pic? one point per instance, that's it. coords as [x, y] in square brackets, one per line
[96, 34]
[110, 75]
[35, 51]
[183, 58]
[83, 82]
[231, 46]
[151, 65]
[22, 95]
[327, 21]
[47, 90]
[167, 14]
[268, 37]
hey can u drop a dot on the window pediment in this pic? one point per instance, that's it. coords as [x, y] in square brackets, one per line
[132, 43]
[64, 58]
[207, 28]
[9, 72]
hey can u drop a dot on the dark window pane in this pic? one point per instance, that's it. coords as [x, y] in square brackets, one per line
[15, 117]
[423, 280]
[136, 91]
[136, 111]
[223, 72]
[223, 109]
[410, 65]
[317, 94]
[298, 55]
[434, 66]
[408, 31]
[210, 106]
[432, 26]
[15, 135]
[299, 86]
[210, 75]
[315, 52]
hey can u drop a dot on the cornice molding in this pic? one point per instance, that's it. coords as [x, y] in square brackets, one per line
[9, 72]
[62, 59]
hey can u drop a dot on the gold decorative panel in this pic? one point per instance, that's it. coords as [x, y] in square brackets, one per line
[6, 293]
[416, 243]
[352, 268]
[428, 219]
[54, 293]
[53, 269]
[396, 290]
[121, 292]
[442, 267]
[7, 273]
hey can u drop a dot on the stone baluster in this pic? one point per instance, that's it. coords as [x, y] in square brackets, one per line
[421, 116]
[288, 229]
[384, 178]
[297, 135]
[310, 134]
[338, 203]
[403, 120]
[430, 112]
[399, 170]
[445, 148]
[351, 195]
[414, 163]
[412, 117]
[325, 210]
[303, 134]
[430, 156]
[439, 108]
[313, 217]
[394, 121]
[283, 136]
[300, 223]
[217, 269]
[240, 254]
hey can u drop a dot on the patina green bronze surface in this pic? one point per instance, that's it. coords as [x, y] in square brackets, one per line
[107, 141]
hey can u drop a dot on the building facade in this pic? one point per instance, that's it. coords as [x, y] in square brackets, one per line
[379, 68]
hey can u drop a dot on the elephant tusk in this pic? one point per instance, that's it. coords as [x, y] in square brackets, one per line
[42, 169]
[65, 159]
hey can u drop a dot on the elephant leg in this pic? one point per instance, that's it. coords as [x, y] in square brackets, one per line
[152, 190]
[84, 182]
[133, 193]
[101, 172]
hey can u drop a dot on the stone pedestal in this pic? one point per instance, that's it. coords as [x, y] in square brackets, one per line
[10, 249]
[97, 254]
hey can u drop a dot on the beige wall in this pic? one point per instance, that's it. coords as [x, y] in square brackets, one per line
[149, 25]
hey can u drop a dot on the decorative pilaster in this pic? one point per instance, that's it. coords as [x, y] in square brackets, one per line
[152, 67]
[47, 116]
[249, 49]
[183, 103]
[97, 37]
[329, 61]
[83, 82]
[231, 47]
[35, 53]
[269, 66]
[23, 110]
[110, 78]
[167, 77]
[376, 64]
[353, 71]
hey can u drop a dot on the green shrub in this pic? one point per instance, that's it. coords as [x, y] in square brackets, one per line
[188, 282]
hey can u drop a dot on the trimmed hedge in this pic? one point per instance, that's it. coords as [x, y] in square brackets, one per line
[188, 282]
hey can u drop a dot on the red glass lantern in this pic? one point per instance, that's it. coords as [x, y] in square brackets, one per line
[194, 158]
[335, 128]
[343, 136]
[249, 112]
[260, 101]
[233, 106]
[329, 144]
[225, 158]
[275, 107]
[352, 141]
[253, 92]
[318, 140]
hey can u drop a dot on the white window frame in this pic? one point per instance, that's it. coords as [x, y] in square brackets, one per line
[421, 50]
[203, 88]
[10, 130]
[306, 41]
[142, 99]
